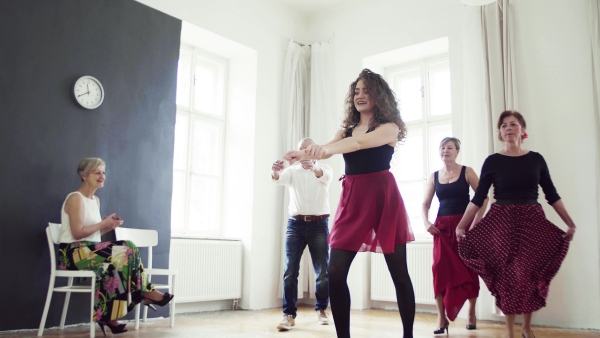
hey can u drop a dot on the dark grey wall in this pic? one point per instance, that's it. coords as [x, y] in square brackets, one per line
[44, 47]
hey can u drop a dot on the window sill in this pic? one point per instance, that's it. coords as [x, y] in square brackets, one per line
[204, 237]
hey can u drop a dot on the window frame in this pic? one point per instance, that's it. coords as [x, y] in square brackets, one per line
[194, 115]
[426, 123]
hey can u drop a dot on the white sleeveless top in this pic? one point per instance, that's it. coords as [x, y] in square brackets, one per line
[90, 217]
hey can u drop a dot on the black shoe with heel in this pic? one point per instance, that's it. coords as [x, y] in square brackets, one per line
[471, 326]
[442, 329]
[167, 297]
[115, 329]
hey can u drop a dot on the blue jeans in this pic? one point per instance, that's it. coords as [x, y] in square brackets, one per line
[299, 235]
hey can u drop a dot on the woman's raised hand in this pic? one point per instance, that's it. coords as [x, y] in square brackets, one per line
[294, 155]
[315, 151]
[312, 152]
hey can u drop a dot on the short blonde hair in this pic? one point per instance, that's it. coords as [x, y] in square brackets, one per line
[451, 139]
[87, 165]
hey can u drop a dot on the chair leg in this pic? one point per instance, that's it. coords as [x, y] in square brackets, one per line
[172, 304]
[63, 317]
[93, 313]
[46, 306]
[137, 316]
[145, 311]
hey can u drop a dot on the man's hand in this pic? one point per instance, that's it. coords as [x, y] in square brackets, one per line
[307, 164]
[277, 166]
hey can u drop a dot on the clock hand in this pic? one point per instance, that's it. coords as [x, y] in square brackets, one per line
[83, 94]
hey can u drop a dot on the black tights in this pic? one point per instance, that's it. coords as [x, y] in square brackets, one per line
[339, 294]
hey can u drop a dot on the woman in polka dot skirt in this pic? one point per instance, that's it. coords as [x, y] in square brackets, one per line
[514, 248]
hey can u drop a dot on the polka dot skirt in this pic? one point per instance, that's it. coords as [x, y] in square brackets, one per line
[517, 252]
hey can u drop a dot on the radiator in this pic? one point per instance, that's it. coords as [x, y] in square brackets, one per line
[419, 259]
[208, 269]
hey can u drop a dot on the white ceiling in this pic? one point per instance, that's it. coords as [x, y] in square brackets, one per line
[309, 6]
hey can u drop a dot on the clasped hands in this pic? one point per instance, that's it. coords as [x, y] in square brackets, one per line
[112, 221]
[312, 152]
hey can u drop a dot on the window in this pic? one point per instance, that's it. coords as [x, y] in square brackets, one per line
[423, 93]
[199, 143]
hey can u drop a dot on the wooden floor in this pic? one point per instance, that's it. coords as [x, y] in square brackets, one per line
[246, 324]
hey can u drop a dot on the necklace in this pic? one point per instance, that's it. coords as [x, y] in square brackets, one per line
[449, 174]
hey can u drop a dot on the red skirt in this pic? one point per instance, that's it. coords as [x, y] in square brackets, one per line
[517, 252]
[371, 215]
[451, 277]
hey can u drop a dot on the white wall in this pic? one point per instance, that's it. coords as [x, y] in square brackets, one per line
[553, 61]
[265, 27]
[553, 64]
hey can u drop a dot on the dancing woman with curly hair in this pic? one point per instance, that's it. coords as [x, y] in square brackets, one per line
[371, 215]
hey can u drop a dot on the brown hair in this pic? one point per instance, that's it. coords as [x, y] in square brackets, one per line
[386, 107]
[506, 114]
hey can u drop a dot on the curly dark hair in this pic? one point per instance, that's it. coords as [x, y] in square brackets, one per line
[386, 107]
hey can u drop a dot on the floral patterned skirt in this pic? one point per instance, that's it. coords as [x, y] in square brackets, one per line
[120, 277]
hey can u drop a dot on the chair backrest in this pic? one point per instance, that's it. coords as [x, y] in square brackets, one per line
[52, 233]
[142, 238]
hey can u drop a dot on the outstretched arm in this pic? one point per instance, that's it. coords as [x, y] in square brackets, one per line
[384, 134]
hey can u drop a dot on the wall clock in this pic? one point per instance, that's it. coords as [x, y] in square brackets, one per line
[89, 92]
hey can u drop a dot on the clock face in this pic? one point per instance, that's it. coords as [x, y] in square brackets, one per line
[88, 92]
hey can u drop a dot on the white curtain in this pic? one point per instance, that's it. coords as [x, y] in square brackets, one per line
[306, 112]
[594, 20]
[321, 113]
[293, 97]
[489, 77]
[489, 88]
[320, 119]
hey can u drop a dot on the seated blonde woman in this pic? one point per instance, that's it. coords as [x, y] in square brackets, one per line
[120, 280]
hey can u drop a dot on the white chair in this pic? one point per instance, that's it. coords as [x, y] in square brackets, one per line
[144, 238]
[52, 232]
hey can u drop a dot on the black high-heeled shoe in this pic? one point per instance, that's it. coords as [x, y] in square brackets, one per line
[167, 297]
[471, 326]
[442, 329]
[115, 329]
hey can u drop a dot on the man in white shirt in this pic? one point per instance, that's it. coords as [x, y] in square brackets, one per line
[308, 185]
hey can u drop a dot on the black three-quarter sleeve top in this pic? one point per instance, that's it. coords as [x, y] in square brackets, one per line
[515, 178]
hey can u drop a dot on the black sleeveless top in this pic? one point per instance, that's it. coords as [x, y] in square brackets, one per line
[366, 161]
[454, 197]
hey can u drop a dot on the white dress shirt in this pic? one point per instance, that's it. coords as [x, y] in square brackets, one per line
[309, 194]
